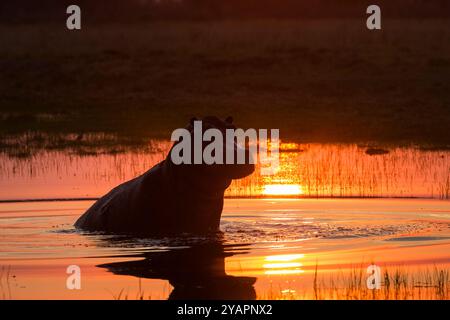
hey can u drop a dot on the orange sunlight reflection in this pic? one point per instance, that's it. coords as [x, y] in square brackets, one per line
[283, 264]
[309, 170]
[282, 189]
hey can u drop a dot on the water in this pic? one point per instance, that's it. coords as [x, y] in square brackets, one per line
[268, 247]
[274, 235]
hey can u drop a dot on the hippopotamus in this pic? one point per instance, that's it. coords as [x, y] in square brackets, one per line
[169, 199]
[201, 277]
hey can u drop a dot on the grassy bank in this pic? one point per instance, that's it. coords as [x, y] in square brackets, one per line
[321, 81]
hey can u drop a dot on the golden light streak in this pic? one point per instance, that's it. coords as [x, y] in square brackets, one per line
[282, 265]
[282, 189]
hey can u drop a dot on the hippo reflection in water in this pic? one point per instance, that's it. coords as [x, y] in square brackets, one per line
[169, 199]
[195, 273]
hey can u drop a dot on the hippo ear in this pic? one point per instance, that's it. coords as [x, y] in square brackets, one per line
[192, 120]
[229, 119]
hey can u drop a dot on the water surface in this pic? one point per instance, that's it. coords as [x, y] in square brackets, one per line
[331, 208]
[269, 249]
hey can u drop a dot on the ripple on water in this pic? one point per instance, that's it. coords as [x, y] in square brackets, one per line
[254, 232]
[42, 235]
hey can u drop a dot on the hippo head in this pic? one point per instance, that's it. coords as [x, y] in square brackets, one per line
[214, 175]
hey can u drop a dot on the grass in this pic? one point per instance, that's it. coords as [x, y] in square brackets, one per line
[5, 282]
[398, 283]
[126, 294]
[26, 145]
[322, 81]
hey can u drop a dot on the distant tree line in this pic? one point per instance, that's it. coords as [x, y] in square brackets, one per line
[142, 10]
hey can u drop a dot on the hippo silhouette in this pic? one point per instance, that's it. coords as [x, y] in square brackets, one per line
[169, 199]
[196, 272]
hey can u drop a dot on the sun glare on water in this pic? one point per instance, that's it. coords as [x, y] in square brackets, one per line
[283, 264]
[282, 189]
